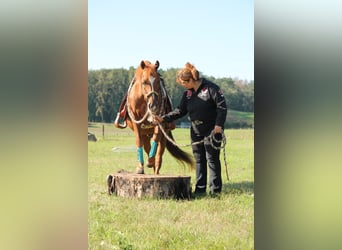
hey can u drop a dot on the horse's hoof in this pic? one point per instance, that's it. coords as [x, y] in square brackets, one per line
[139, 171]
[150, 162]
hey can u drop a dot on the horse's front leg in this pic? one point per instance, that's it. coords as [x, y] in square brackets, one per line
[154, 157]
[146, 140]
[151, 148]
[140, 155]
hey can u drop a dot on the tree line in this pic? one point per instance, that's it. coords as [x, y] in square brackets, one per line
[106, 88]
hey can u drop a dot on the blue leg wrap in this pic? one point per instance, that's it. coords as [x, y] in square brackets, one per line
[153, 149]
[140, 155]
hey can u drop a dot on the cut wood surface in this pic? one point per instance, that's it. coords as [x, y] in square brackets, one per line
[126, 184]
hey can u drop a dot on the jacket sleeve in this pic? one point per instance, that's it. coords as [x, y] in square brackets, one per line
[221, 106]
[178, 112]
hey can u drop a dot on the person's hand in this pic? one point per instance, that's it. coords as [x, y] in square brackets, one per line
[217, 129]
[157, 119]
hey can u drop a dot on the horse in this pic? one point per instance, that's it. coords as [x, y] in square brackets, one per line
[145, 98]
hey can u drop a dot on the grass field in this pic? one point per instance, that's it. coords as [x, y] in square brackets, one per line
[224, 222]
[238, 119]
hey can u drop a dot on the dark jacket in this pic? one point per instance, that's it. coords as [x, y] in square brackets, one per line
[206, 108]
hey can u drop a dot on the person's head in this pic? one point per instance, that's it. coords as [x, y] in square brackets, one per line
[187, 75]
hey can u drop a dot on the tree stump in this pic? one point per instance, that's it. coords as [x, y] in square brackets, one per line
[127, 184]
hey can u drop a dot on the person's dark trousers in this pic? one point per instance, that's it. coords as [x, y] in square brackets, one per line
[204, 153]
[213, 159]
[201, 167]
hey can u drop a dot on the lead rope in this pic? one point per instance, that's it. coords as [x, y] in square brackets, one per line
[211, 138]
[224, 142]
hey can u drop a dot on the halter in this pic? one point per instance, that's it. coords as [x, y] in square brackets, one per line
[149, 94]
[152, 92]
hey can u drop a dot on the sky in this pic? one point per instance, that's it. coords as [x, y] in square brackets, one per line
[216, 36]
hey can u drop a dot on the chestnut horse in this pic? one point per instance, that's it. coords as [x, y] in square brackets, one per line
[147, 97]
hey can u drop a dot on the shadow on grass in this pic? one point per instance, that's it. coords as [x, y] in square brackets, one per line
[238, 187]
[198, 196]
[246, 187]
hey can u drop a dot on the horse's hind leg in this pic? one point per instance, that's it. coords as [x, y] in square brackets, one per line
[159, 155]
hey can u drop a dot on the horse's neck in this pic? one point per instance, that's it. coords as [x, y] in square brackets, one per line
[138, 91]
[137, 97]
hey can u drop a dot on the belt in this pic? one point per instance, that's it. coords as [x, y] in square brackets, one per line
[197, 122]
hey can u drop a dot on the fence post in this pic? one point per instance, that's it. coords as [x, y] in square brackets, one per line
[102, 131]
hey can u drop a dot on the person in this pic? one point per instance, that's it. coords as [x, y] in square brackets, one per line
[206, 107]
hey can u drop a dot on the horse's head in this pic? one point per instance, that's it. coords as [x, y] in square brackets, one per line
[149, 78]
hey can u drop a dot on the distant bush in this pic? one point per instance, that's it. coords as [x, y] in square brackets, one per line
[241, 124]
[238, 119]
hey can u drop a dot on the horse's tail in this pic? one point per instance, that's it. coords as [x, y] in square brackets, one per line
[178, 153]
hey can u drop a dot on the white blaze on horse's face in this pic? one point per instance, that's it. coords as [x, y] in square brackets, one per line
[152, 105]
[152, 81]
[151, 92]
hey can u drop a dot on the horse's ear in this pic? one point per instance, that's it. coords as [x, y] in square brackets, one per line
[156, 64]
[142, 64]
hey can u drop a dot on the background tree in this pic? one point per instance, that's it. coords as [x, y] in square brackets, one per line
[107, 87]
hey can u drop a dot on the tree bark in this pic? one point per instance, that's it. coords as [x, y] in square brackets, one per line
[127, 184]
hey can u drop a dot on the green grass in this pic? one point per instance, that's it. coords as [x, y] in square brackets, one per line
[239, 119]
[224, 222]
